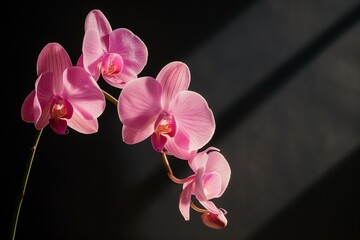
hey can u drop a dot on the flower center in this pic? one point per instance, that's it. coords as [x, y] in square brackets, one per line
[60, 108]
[112, 64]
[165, 124]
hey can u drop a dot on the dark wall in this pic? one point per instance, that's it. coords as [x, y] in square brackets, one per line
[283, 80]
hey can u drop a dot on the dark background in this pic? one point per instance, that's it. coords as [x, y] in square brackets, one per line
[283, 80]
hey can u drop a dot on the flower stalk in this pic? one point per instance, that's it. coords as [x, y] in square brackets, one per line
[198, 209]
[169, 171]
[110, 98]
[24, 184]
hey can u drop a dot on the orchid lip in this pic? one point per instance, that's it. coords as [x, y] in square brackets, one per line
[60, 108]
[165, 125]
[112, 64]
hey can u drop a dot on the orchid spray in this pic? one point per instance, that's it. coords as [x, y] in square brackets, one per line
[178, 120]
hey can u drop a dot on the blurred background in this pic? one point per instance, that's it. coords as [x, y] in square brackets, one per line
[283, 80]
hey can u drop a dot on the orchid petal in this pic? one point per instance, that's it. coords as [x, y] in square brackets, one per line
[184, 202]
[198, 161]
[133, 136]
[96, 19]
[132, 49]
[139, 103]
[80, 63]
[181, 140]
[83, 92]
[118, 81]
[43, 119]
[199, 190]
[212, 185]
[181, 153]
[53, 58]
[27, 110]
[174, 77]
[92, 52]
[195, 119]
[44, 87]
[78, 123]
[217, 163]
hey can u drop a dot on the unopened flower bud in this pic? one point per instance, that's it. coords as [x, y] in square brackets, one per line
[214, 220]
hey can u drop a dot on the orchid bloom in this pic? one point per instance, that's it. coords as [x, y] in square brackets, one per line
[210, 179]
[164, 109]
[118, 55]
[64, 95]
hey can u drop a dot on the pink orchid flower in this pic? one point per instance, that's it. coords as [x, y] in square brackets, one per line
[118, 55]
[64, 95]
[210, 179]
[166, 110]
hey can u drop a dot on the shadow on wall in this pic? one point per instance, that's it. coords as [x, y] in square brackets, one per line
[268, 86]
[335, 196]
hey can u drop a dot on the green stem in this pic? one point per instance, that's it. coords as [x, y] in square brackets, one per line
[110, 98]
[23, 186]
[198, 209]
[169, 171]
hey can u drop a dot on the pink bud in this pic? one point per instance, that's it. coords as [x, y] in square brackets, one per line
[214, 220]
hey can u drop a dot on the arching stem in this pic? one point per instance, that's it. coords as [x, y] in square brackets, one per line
[169, 171]
[24, 184]
[196, 208]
